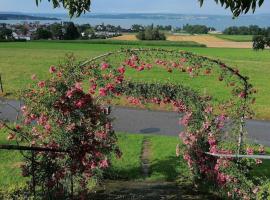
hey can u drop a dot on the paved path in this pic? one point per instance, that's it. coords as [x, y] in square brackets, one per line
[167, 123]
[133, 120]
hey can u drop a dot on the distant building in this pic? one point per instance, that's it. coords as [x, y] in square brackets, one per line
[3, 25]
[21, 37]
[214, 32]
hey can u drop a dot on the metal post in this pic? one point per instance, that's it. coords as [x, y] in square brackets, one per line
[1, 84]
[241, 134]
[72, 187]
[33, 174]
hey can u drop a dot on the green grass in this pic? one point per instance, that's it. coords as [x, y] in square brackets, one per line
[135, 43]
[262, 170]
[129, 165]
[236, 38]
[18, 61]
[10, 161]
[164, 163]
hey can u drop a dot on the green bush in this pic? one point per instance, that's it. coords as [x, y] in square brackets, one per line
[259, 42]
[16, 192]
[264, 191]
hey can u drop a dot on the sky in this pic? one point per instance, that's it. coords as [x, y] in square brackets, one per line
[128, 6]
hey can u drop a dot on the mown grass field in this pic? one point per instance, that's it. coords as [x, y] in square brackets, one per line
[18, 61]
[236, 38]
[164, 163]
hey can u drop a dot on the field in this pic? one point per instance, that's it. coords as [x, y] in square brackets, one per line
[236, 38]
[18, 61]
[208, 40]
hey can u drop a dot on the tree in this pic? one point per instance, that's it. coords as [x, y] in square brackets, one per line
[258, 42]
[237, 7]
[42, 34]
[57, 31]
[89, 33]
[137, 28]
[196, 29]
[71, 32]
[6, 34]
[74, 7]
[151, 33]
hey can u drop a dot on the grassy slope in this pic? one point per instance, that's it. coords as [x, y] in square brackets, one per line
[9, 165]
[236, 38]
[18, 61]
[164, 164]
[129, 165]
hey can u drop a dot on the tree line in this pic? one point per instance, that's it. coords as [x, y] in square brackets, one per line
[247, 30]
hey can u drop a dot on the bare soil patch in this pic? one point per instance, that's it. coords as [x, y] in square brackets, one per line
[210, 41]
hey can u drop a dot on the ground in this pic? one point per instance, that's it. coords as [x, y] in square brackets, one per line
[208, 40]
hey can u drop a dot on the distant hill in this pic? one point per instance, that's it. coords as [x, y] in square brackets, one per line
[4, 16]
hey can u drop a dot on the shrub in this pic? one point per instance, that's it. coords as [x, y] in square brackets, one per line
[258, 42]
[16, 192]
[264, 191]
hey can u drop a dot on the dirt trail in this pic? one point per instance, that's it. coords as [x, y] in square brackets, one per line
[145, 157]
[124, 190]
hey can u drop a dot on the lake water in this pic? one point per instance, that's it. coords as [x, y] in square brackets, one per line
[219, 22]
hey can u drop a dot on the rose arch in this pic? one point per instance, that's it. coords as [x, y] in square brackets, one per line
[68, 113]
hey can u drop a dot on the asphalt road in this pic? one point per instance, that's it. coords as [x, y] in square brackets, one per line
[133, 120]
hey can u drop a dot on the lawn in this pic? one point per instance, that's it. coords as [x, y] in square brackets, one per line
[236, 38]
[18, 61]
[164, 164]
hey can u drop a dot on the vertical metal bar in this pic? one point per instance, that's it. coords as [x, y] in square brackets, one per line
[241, 134]
[1, 84]
[33, 174]
[72, 187]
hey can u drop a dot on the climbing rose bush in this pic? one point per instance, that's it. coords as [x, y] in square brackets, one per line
[59, 114]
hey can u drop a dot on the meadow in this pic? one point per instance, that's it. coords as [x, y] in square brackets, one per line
[236, 38]
[18, 61]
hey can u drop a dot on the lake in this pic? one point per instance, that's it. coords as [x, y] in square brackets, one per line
[220, 22]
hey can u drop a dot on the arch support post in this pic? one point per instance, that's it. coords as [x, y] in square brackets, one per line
[241, 135]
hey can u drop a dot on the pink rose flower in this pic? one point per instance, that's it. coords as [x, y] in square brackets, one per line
[52, 69]
[41, 84]
[103, 164]
[249, 151]
[78, 86]
[48, 127]
[102, 92]
[34, 77]
[121, 70]
[104, 66]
